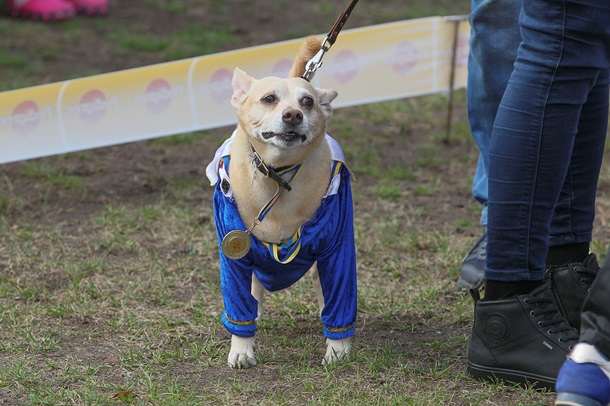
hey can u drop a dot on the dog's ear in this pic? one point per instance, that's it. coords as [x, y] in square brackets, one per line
[325, 97]
[241, 83]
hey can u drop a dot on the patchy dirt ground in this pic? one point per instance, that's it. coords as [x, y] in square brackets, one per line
[84, 49]
[143, 173]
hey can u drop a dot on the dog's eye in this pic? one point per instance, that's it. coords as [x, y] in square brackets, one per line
[270, 98]
[307, 101]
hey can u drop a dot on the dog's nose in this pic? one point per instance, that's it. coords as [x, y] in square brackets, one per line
[292, 116]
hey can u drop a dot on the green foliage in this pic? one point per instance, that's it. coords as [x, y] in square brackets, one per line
[53, 177]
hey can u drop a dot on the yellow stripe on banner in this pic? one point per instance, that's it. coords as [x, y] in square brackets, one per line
[365, 65]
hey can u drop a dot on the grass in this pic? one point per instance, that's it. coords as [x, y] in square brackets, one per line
[128, 42]
[10, 60]
[109, 287]
[194, 40]
[122, 305]
[53, 177]
[170, 6]
[190, 41]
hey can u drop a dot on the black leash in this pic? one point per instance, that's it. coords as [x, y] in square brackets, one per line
[315, 62]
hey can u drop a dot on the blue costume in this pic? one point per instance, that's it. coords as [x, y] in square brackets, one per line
[328, 238]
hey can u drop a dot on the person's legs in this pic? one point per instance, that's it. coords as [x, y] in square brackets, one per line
[571, 274]
[573, 219]
[530, 156]
[539, 139]
[584, 378]
[494, 39]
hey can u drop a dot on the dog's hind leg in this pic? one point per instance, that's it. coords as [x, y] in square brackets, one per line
[258, 291]
[317, 286]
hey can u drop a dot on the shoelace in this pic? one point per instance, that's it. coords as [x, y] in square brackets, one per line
[587, 275]
[552, 318]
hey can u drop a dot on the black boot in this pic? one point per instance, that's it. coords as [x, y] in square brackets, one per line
[570, 284]
[524, 340]
[473, 265]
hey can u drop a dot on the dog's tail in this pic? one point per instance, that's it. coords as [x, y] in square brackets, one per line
[309, 48]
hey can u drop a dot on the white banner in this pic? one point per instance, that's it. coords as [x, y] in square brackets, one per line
[365, 65]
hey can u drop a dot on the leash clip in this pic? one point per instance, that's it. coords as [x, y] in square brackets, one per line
[316, 62]
[330, 39]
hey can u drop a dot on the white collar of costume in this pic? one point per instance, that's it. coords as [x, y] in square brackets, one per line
[225, 150]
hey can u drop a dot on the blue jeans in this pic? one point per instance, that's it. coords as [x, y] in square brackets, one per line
[494, 39]
[548, 137]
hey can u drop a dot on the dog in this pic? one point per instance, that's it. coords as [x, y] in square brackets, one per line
[283, 206]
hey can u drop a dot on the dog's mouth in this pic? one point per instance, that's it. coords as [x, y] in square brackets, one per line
[288, 136]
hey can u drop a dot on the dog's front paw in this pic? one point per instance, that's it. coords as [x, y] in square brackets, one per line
[337, 350]
[242, 352]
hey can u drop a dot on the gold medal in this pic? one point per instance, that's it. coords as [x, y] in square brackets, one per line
[236, 244]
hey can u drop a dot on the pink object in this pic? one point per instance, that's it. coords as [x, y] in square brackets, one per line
[43, 10]
[90, 7]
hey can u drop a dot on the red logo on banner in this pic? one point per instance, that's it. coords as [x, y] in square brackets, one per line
[219, 86]
[405, 58]
[158, 95]
[93, 106]
[26, 116]
[345, 66]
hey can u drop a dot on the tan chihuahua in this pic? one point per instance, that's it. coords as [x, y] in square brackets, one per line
[282, 206]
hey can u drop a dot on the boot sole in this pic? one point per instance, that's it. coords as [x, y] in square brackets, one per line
[491, 374]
